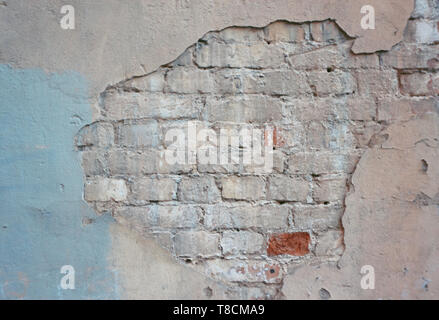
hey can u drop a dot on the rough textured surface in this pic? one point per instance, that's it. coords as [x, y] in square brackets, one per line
[151, 33]
[323, 104]
[294, 244]
[355, 148]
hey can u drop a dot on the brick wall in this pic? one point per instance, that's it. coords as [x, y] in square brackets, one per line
[326, 106]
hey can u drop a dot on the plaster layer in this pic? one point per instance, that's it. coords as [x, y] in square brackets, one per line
[115, 40]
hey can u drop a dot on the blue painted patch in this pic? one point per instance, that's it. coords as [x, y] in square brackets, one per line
[41, 187]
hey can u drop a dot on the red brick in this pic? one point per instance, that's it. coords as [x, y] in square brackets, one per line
[295, 244]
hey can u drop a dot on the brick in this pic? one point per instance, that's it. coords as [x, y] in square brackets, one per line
[326, 31]
[330, 108]
[281, 31]
[325, 190]
[321, 162]
[190, 80]
[412, 56]
[330, 243]
[294, 244]
[94, 163]
[134, 163]
[153, 189]
[277, 82]
[283, 188]
[139, 135]
[241, 242]
[243, 188]
[242, 109]
[377, 82]
[320, 217]
[185, 59]
[420, 84]
[153, 82]
[338, 82]
[267, 217]
[365, 133]
[132, 105]
[421, 31]
[335, 135]
[331, 57]
[426, 9]
[289, 137]
[150, 217]
[406, 108]
[244, 271]
[104, 189]
[98, 134]
[239, 55]
[198, 189]
[196, 244]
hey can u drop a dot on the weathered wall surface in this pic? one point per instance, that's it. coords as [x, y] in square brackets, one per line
[354, 180]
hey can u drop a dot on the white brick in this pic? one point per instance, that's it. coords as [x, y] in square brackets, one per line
[196, 244]
[283, 188]
[267, 217]
[243, 188]
[241, 242]
[198, 189]
[105, 190]
[153, 189]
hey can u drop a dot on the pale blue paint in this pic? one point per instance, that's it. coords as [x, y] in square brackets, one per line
[41, 186]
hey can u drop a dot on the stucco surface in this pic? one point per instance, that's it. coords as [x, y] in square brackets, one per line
[114, 40]
[391, 214]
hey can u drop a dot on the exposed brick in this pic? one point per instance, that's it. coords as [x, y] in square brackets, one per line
[149, 161]
[132, 105]
[190, 80]
[330, 57]
[243, 188]
[421, 31]
[94, 163]
[329, 190]
[326, 31]
[283, 188]
[295, 244]
[412, 56]
[153, 82]
[198, 189]
[98, 134]
[377, 82]
[321, 162]
[320, 217]
[285, 32]
[420, 84]
[242, 109]
[159, 216]
[337, 82]
[139, 135]
[267, 217]
[153, 189]
[196, 244]
[406, 108]
[104, 189]
[342, 108]
[241, 242]
[426, 9]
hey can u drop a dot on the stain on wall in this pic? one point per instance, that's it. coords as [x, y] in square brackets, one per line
[44, 222]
